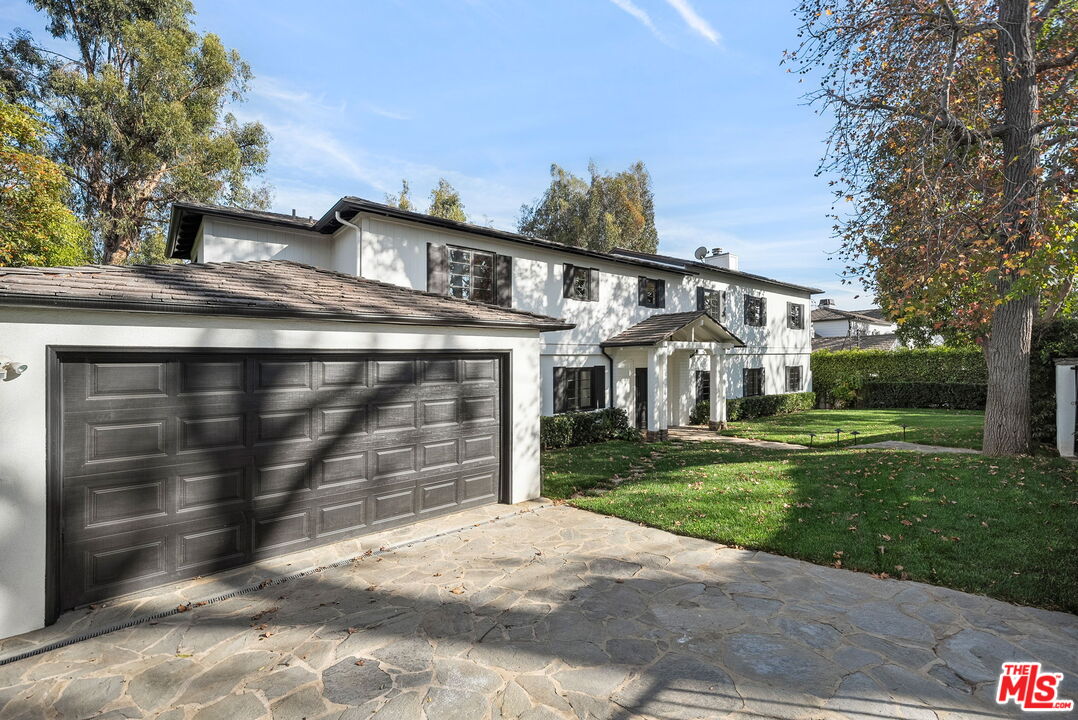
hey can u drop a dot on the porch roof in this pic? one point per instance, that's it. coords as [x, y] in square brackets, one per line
[696, 326]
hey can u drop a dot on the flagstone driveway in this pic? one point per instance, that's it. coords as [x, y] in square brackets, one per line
[557, 613]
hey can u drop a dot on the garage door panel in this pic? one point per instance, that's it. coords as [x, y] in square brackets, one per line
[191, 463]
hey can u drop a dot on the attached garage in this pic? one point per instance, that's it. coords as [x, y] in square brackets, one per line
[179, 420]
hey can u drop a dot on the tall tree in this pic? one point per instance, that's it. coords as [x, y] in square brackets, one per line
[608, 211]
[36, 228]
[403, 200]
[138, 113]
[956, 148]
[445, 202]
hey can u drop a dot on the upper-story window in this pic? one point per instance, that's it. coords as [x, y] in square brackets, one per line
[471, 274]
[713, 301]
[652, 293]
[580, 283]
[755, 311]
[795, 316]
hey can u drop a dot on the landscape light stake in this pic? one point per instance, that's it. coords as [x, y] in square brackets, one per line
[838, 433]
[855, 433]
[812, 438]
[904, 432]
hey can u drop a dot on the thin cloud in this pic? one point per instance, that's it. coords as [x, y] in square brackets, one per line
[386, 113]
[694, 21]
[640, 14]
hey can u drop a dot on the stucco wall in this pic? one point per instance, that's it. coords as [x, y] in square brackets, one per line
[25, 335]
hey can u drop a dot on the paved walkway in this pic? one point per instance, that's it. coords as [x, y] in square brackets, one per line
[702, 434]
[557, 613]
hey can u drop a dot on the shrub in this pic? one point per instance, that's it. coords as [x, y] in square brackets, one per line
[700, 413]
[584, 428]
[955, 396]
[763, 405]
[838, 377]
[1057, 339]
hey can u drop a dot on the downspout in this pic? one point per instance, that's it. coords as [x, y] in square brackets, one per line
[359, 242]
[610, 375]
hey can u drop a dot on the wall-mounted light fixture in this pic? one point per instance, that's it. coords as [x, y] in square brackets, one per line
[11, 369]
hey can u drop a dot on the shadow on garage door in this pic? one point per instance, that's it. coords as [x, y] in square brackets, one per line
[174, 465]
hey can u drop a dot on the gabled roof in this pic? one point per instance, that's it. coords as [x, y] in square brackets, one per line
[697, 267]
[883, 341]
[187, 217]
[262, 288]
[873, 316]
[698, 325]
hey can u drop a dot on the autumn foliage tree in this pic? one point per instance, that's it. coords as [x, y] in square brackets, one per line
[955, 148]
[36, 228]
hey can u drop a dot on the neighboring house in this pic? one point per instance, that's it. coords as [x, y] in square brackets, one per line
[829, 322]
[650, 332]
[885, 341]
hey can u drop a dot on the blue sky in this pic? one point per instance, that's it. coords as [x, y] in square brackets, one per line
[488, 93]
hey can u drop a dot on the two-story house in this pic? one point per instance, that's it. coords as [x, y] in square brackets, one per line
[852, 329]
[652, 334]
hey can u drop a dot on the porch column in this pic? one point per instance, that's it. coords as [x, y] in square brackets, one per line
[718, 389]
[657, 393]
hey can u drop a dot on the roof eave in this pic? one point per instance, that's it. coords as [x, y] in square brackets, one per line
[37, 301]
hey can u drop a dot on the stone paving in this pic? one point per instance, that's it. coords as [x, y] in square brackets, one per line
[916, 447]
[557, 613]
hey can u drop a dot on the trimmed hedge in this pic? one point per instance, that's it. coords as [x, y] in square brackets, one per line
[839, 377]
[753, 407]
[763, 405]
[955, 396]
[1058, 339]
[584, 428]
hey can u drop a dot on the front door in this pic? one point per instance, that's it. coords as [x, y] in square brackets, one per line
[642, 398]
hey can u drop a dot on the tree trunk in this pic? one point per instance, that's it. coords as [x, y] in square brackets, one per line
[1006, 421]
[118, 247]
[1006, 416]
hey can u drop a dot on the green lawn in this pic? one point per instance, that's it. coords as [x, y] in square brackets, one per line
[1002, 527]
[952, 428]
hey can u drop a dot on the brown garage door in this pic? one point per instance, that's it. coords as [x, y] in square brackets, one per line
[183, 464]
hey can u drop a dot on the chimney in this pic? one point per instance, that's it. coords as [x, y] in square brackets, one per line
[826, 302]
[719, 258]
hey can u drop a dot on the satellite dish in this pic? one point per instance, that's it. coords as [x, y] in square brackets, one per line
[701, 253]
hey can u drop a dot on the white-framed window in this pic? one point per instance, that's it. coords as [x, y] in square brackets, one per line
[793, 378]
[795, 316]
[471, 274]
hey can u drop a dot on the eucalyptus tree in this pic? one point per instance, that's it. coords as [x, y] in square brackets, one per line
[445, 202]
[137, 108]
[955, 158]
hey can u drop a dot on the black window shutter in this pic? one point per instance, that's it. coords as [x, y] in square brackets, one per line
[503, 279]
[559, 390]
[762, 385]
[763, 313]
[701, 299]
[593, 276]
[641, 290]
[437, 269]
[745, 389]
[598, 386]
[722, 310]
[567, 281]
[660, 293]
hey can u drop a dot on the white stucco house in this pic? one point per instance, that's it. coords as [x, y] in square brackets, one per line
[305, 381]
[650, 332]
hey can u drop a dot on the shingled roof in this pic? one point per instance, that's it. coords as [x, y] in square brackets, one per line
[873, 316]
[264, 288]
[883, 341]
[659, 328]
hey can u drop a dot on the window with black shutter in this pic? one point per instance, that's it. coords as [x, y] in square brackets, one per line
[713, 301]
[579, 388]
[651, 293]
[795, 316]
[752, 382]
[471, 274]
[793, 378]
[580, 283]
[755, 311]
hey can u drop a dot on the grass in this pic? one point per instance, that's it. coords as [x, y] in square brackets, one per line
[950, 428]
[1007, 528]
